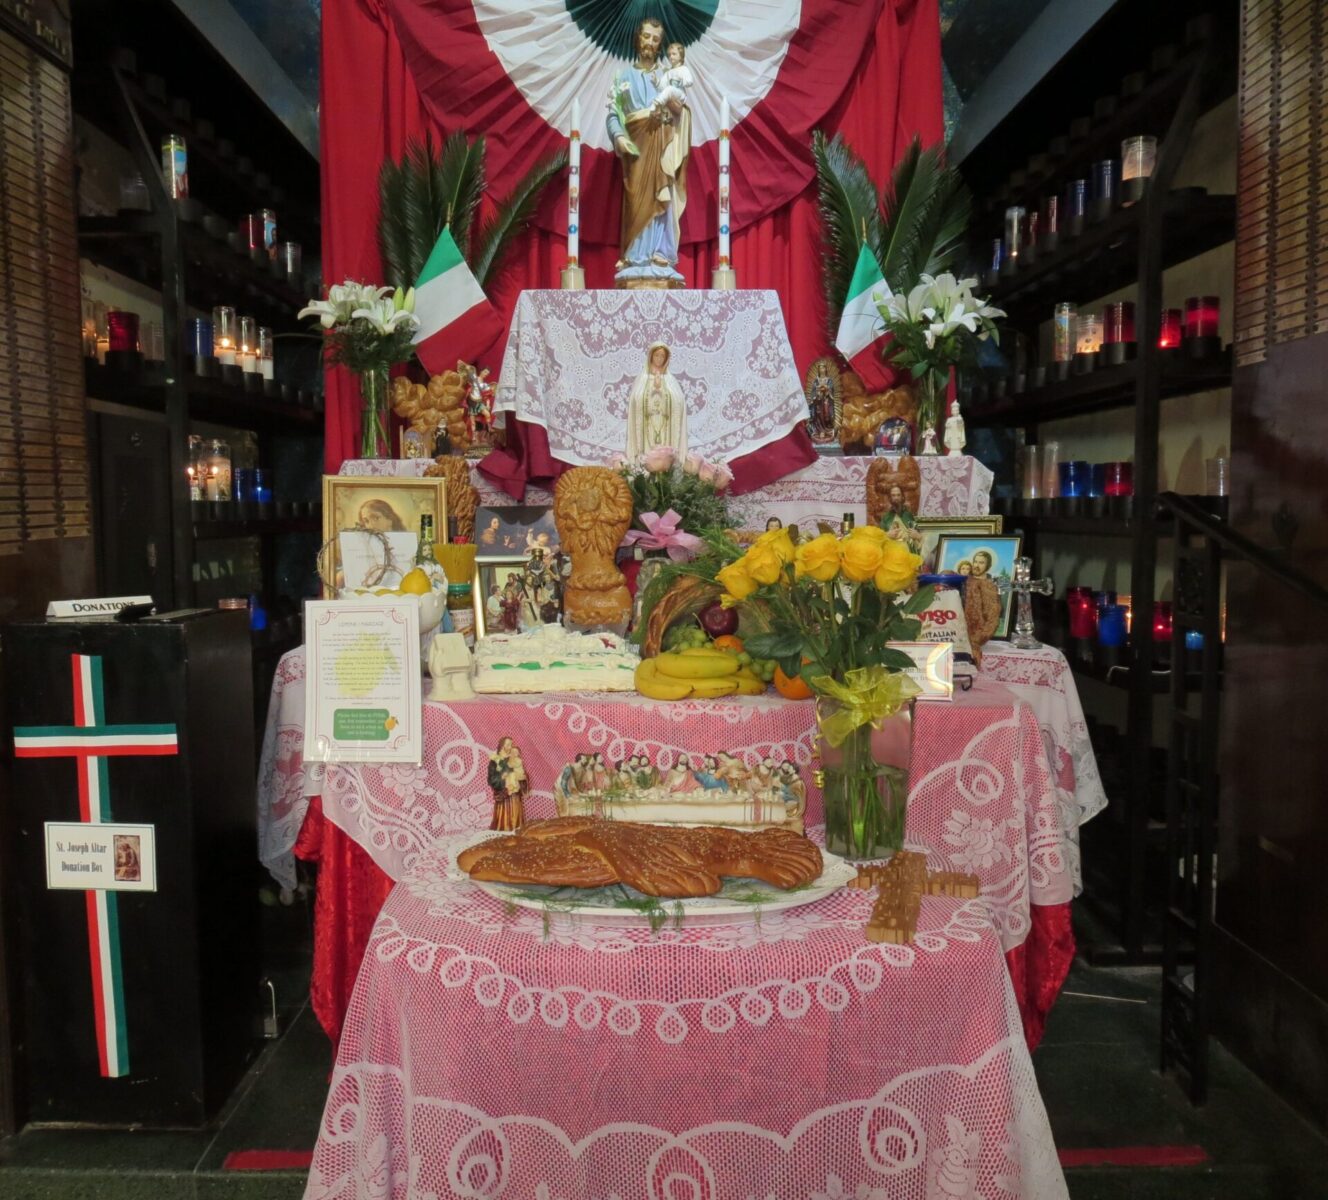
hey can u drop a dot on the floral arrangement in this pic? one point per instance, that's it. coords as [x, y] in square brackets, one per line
[687, 494]
[935, 326]
[369, 330]
[365, 327]
[826, 609]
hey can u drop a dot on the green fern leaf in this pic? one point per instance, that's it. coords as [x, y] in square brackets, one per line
[511, 217]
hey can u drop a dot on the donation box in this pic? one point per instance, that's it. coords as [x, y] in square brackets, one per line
[132, 815]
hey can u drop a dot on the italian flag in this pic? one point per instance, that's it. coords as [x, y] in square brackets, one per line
[456, 319]
[860, 331]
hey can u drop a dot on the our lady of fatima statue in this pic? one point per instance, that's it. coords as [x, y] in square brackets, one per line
[656, 409]
[653, 142]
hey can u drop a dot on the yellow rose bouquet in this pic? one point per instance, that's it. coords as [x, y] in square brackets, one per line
[827, 609]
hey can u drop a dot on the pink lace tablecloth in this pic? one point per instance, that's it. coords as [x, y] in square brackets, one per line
[823, 491]
[489, 1053]
[984, 791]
[571, 359]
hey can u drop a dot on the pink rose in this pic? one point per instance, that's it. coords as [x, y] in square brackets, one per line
[692, 465]
[617, 462]
[658, 460]
[723, 477]
[706, 472]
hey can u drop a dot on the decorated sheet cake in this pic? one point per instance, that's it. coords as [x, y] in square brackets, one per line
[553, 659]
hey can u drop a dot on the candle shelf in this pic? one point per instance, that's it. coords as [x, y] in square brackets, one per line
[1133, 224]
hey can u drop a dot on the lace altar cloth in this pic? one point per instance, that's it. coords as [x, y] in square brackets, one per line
[823, 491]
[1006, 771]
[490, 1053]
[572, 357]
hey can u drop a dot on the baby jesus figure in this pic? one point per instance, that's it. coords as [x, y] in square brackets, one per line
[677, 79]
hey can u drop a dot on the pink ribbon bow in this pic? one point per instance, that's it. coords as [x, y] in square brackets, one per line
[662, 533]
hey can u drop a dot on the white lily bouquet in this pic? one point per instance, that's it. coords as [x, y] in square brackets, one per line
[369, 330]
[936, 326]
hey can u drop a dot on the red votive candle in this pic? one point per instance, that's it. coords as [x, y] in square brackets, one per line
[1161, 620]
[1118, 479]
[1033, 229]
[122, 330]
[251, 230]
[1083, 612]
[1201, 315]
[1118, 323]
[1169, 338]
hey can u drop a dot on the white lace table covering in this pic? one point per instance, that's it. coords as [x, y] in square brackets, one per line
[983, 789]
[490, 1053]
[822, 491]
[571, 359]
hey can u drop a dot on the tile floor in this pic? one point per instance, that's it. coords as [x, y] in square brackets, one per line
[1097, 1068]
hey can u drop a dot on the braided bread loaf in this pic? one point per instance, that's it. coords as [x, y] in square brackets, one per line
[656, 860]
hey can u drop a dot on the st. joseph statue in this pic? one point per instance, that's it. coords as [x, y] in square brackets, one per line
[652, 141]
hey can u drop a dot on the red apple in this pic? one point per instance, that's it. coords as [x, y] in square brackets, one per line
[718, 621]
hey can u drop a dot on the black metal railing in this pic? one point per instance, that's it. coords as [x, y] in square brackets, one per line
[1202, 541]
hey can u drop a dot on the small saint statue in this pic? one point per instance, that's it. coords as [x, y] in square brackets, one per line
[954, 432]
[656, 410]
[508, 782]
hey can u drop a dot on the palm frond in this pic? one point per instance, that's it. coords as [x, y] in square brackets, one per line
[457, 177]
[511, 216]
[846, 199]
[942, 226]
[394, 222]
[926, 208]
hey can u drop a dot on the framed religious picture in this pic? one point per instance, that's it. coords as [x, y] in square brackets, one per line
[824, 404]
[514, 530]
[933, 529]
[377, 505]
[498, 594]
[988, 562]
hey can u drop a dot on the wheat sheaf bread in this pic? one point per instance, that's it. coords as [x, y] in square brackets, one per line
[656, 860]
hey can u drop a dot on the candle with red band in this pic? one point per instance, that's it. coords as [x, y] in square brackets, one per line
[1169, 337]
[1201, 316]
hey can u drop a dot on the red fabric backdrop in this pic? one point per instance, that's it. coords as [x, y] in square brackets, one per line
[372, 106]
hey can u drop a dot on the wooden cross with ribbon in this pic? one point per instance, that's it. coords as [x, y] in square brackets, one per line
[90, 741]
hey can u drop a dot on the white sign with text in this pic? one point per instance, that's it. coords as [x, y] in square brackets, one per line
[112, 858]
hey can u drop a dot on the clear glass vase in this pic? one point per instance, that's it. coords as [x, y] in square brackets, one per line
[373, 414]
[929, 392]
[865, 801]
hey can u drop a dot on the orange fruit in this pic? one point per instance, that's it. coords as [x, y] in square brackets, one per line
[728, 641]
[791, 689]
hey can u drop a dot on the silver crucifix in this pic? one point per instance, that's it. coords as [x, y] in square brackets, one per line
[1022, 585]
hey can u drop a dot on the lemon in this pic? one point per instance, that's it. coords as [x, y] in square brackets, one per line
[416, 583]
[385, 592]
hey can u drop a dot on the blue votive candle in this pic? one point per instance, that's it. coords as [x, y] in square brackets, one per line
[1106, 181]
[1111, 625]
[198, 337]
[1076, 198]
[1097, 480]
[1193, 640]
[1076, 477]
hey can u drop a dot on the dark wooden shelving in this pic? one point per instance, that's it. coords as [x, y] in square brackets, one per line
[1104, 388]
[214, 273]
[209, 399]
[257, 527]
[1104, 258]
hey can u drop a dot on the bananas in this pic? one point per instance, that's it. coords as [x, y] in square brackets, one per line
[649, 682]
[697, 673]
[695, 664]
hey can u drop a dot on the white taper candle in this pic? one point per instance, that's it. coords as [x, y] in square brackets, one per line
[725, 194]
[574, 186]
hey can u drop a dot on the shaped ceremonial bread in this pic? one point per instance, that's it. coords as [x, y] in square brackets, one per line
[655, 860]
